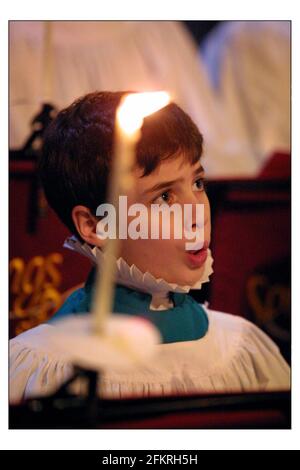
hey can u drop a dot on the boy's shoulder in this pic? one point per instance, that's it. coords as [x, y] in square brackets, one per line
[229, 322]
[236, 331]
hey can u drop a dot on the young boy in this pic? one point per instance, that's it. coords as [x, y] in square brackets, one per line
[201, 350]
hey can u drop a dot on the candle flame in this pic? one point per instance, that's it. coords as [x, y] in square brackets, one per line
[136, 106]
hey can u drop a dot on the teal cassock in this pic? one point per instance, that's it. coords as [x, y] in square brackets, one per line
[186, 321]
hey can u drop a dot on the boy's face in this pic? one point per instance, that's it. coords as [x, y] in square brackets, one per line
[168, 258]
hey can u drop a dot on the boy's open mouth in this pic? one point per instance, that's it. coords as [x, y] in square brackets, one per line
[196, 258]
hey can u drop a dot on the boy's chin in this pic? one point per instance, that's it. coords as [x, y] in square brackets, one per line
[188, 277]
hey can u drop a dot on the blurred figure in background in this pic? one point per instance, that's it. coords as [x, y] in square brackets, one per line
[249, 67]
[78, 57]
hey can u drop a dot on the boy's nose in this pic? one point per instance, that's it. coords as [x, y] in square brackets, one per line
[194, 216]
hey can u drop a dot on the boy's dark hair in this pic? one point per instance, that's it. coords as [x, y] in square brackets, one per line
[78, 149]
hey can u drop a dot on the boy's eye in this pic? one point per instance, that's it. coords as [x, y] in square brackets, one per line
[199, 184]
[164, 197]
[168, 196]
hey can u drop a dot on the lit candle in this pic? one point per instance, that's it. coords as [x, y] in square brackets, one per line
[129, 119]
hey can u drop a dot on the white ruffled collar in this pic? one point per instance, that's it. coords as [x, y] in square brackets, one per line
[132, 277]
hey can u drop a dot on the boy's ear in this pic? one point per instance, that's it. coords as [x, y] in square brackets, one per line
[86, 224]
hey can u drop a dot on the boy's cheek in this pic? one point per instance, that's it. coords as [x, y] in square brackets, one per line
[163, 258]
[148, 251]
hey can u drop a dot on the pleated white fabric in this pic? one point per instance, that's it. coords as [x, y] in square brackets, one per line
[234, 355]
